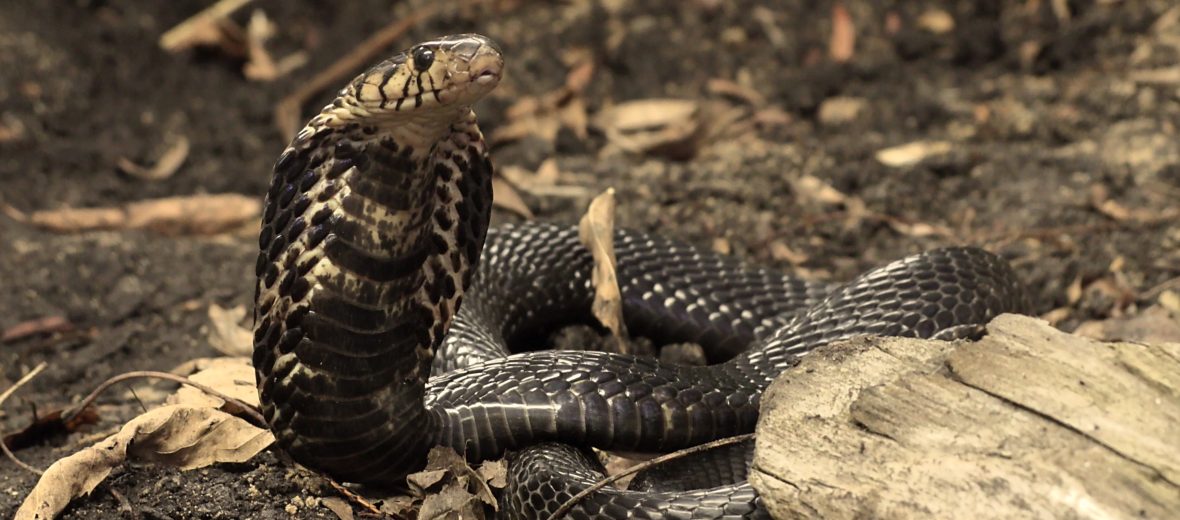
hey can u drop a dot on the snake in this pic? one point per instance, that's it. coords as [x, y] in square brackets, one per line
[391, 317]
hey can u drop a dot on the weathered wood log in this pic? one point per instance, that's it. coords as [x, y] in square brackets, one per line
[1029, 422]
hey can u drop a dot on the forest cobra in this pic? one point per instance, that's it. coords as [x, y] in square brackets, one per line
[373, 234]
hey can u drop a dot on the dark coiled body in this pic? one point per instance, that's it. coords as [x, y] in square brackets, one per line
[673, 293]
[374, 226]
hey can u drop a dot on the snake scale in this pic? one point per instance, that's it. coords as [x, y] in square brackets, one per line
[376, 229]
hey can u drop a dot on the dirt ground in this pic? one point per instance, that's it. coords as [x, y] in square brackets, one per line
[1050, 138]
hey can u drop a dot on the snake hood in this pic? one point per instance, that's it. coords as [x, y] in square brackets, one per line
[376, 213]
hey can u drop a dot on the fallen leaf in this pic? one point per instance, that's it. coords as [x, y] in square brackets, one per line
[912, 153]
[167, 165]
[225, 333]
[506, 197]
[449, 487]
[188, 215]
[339, 506]
[725, 87]
[596, 231]
[665, 127]
[184, 437]
[232, 376]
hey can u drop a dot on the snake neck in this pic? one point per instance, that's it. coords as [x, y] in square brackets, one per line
[369, 238]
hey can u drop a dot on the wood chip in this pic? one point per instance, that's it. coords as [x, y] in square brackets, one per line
[596, 231]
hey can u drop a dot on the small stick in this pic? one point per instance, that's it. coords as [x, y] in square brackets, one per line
[3, 397]
[89, 399]
[176, 36]
[573, 501]
[352, 497]
[287, 111]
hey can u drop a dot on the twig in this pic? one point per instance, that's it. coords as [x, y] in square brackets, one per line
[176, 36]
[353, 497]
[124, 504]
[573, 501]
[139, 374]
[287, 111]
[3, 397]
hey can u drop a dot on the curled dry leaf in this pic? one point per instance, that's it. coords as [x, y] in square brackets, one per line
[596, 231]
[226, 335]
[181, 436]
[168, 163]
[190, 215]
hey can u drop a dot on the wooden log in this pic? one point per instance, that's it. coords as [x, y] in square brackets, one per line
[1029, 422]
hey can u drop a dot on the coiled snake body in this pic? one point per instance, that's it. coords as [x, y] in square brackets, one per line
[375, 223]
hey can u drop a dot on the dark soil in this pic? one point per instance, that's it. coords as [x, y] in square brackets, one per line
[1043, 115]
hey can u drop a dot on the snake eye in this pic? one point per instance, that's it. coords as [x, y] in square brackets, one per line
[423, 58]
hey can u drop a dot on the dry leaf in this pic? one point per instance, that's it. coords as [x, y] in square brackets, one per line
[225, 333]
[185, 437]
[232, 376]
[666, 127]
[596, 231]
[165, 167]
[195, 214]
[810, 187]
[451, 487]
[339, 506]
[725, 87]
[912, 153]
[505, 196]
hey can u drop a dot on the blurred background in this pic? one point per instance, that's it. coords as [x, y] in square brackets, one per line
[820, 137]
